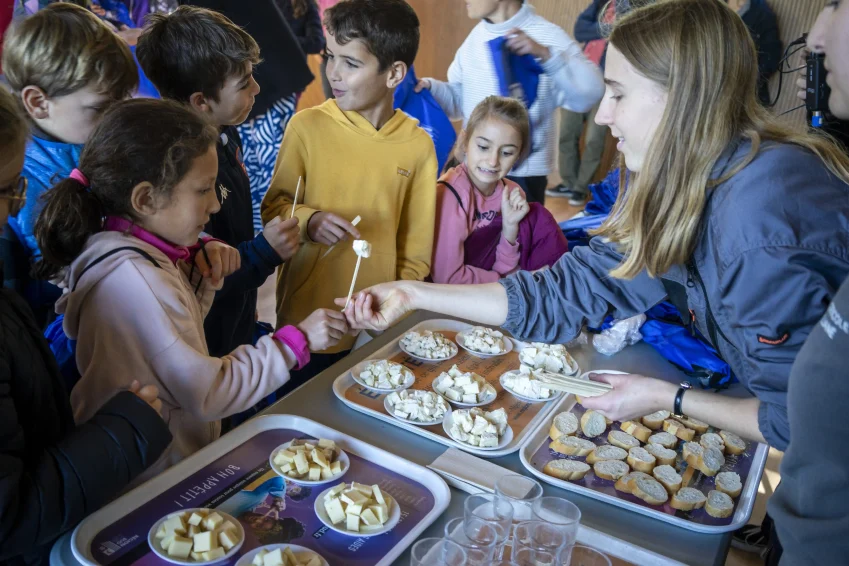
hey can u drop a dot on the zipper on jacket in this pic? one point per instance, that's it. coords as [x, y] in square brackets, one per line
[713, 327]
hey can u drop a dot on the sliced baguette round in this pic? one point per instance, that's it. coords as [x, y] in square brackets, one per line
[712, 440]
[622, 439]
[687, 499]
[678, 429]
[641, 460]
[695, 424]
[733, 443]
[610, 469]
[572, 446]
[664, 439]
[664, 456]
[593, 424]
[651, 491]
[625, 484]
[606, 452]
[692, 452]
[569, 470]
[729, 483]
[719, 505]
[564, 423]
[670, 479]
[637, 430]
[655, 420]
[710, 462]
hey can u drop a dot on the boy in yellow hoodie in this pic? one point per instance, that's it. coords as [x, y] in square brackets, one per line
[357, 157]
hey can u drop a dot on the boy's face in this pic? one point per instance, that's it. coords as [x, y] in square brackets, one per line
[354, 75]
[481, 9]
[70, 118]
[235, 99]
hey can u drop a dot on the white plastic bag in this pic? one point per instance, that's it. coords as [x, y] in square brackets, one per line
[622, 333]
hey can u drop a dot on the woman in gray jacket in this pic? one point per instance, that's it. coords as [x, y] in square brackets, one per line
[738, 219]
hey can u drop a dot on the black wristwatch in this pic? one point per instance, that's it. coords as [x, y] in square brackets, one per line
[679, 398]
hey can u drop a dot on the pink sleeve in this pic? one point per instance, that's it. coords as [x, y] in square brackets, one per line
[506, 257]
[452, 229]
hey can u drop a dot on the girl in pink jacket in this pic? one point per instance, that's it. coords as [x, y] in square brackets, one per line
[121, 236]
[485, 228]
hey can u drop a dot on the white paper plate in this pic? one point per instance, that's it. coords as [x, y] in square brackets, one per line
[389, 410]
[555, 394]
[487, 400]
[508, 345]
[454, 351]
[247, 559]
[157, 549]
[409, 379]
[321, 512]
[340, 455]
[505, 439]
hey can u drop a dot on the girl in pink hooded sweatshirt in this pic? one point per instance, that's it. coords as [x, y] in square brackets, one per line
[485, 228]
[121, 236]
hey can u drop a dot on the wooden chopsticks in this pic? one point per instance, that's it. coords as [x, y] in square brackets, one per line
[581, 387]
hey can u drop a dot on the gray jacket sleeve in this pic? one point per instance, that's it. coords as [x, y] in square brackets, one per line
[553, 305]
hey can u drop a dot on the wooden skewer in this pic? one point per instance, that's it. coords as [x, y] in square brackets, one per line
[574, 390]
[354, 222]
[295, 202]
[353, 281]
[566, 380]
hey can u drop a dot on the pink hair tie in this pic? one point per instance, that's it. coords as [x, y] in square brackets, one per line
[78, 176]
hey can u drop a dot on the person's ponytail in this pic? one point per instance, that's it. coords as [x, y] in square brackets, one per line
[71, 214]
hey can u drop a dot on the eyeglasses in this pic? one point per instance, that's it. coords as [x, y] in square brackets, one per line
[16, 193]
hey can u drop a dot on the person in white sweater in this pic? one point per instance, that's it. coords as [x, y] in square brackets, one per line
[569, 80]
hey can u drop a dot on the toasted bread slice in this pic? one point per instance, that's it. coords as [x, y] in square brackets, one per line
[712, 440]
[664, 456]
[569, 470]
[719, 505]
[622, 439]
[710, 462]
[637, 430]
[692, 452]
[593, 424]
[733, 443]
[695, 424]
[611, 469]
[655, 420]
[606, 452]
[563, 423]
[572, 446]
[687, 499]
[625, 484]
[670, 479]
[729, 483]
[678, 429]
[651, 491]
[641, 460]
[664, 439]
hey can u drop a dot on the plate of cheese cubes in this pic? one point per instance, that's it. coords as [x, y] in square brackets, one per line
[485, 430]
[484, 342]
[428, 346]
[465, 389]
[526, 386]
[549, 357]
[383, 376]
[416, 407]
[357, 509]
[310, 462]
[282, 555]
[196, 536]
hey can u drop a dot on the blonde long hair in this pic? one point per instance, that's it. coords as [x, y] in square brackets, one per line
[702, 54]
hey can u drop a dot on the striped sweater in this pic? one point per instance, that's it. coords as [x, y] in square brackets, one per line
[570, 81]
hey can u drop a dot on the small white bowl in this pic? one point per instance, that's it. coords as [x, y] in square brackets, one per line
[321, 512]
[505, 439]
[157, 549]
[487, 400]
[340, 455]
[409, 378]
[248, 559]
[555, 394]
[391, 412]
[453, 346]
[508, 346]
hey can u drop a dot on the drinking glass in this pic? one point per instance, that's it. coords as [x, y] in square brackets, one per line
[437, 552]
[578, 555]
[521, 491]
[560, 513]
[477, 537]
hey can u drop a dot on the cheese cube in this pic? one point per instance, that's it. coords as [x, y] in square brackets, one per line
[180, 547]
[212, 521]
[326, 474]
[453, 394]
[369, 518]
[354, 509]
[193, 530]
[309, 446]
[381, 512]
[284, 457]
[161, 533]
[175, 524]
[205, 541]
[378, 495]
[213, 554]
[336, 467]
[362, 488]
[166, 542]
[195, 519]
[298, 447]
[290, 556]
[315, 473]
[470, 399]
[353, 497]
[274, 558]
[301, 463]
[228, 526]
[473, 387]
[228, 539]
[257, 561]
[370, 528]
[334, 511]
[286, 468]
[324, 443]
[335, 491]
[198, 557]
[318, 458]
[353, 523]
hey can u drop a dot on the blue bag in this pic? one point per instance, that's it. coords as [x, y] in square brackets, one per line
[424, 108]
[518, 75]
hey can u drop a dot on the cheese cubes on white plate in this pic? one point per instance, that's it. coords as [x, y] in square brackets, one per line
[478, 428]
[485, 340]
[309, 460]
[427, 344]
[363, 508]
[285, 557]
[362, 248]
[420, 406]
[384, 374]
[549, 357]
[201, 535]
[526, 384]
[463, 387]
